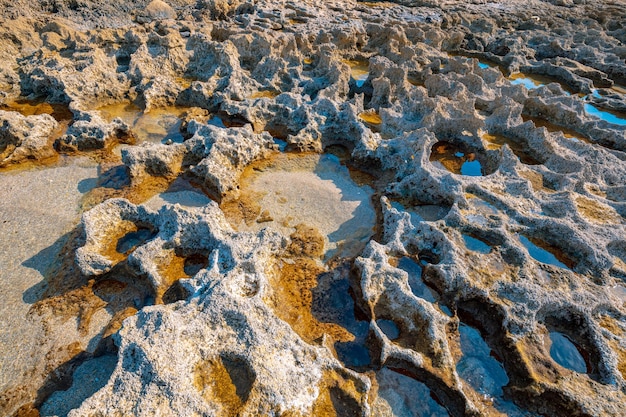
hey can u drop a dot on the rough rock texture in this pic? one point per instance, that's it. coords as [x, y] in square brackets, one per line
[495, 280]
[23, 138]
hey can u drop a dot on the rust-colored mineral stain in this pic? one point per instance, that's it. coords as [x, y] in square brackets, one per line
[597, 212]
[215, 384]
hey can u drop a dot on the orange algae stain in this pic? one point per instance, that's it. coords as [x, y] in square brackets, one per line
[381, 4]
[611, 325]
[338, 396]
[621, 356]
[137, 192]
[495, 142]
[291, 297]
[170, 270]
[116, 322]
[109, 250]
[215, 384]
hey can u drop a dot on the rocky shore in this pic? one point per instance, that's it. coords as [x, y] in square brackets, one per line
[299, 208]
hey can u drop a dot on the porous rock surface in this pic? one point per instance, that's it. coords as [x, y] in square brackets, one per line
[474, 174]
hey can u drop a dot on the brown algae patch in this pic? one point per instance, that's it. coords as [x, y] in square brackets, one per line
[171, 270]
[290, 189]
[339, 396]
[215, 384]
[264, 94]
[536, 180]
[597, 212]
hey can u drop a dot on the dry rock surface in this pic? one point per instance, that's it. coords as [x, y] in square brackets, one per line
[304, 208]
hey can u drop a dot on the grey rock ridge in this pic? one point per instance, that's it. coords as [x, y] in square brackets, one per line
[482, 268]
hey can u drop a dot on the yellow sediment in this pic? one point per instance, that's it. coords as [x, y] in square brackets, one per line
[370, 117]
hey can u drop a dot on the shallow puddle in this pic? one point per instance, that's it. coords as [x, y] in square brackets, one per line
[311, 189]
[531, 81]
[476, 245]
[127, 243]
[484, 373]
[157, 126]
[422, 212]
[418, 287]
[497, 141]
[552, 128]
[565, 353]
[60, 112]
[540, 254]
[456, 160]
[401, 396]
[606, 115]
[360, 71]
[390, 328]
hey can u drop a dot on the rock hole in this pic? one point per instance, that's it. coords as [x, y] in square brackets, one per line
[241, 374]
[359, 71]
[400, 395]
[544, 253]
[476, 244]
[477, 366]
[456, 159]
[418, 287]
[131, 240]
[566, 353]
[389, 328]
[88, 377]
